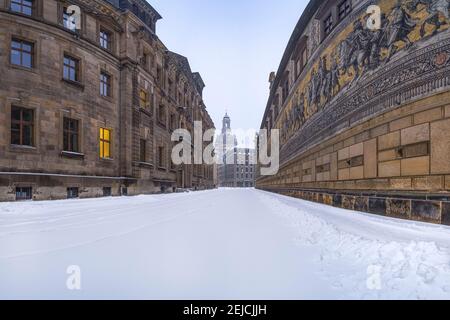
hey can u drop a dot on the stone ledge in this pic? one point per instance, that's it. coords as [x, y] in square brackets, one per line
[425, 208]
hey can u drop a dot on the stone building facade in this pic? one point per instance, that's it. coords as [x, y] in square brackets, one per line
[89, 110]
[364, 110]
[238, 166]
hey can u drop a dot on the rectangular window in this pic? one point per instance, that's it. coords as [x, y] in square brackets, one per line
[143, 99]
[144, 61]
[328, 25]
[71, 68]
[285, 91]
[71, 135]
[173, 122]
[171, 91]
[344, 9]
[22, 53]
[162, 115]
[105, 39]
[22, 121]
[304, 57]
[143, 151]
[161, 158]
[22, 6]
[107, 191]
[24, 193]
[105, 143]
[159, 76]
[72, 193]
[105, 84]
[68, 20]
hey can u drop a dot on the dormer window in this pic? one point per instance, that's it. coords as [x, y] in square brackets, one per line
[344, 9]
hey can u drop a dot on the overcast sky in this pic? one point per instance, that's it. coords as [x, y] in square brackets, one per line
[234, 44]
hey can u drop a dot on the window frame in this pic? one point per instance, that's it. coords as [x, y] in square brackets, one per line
[109, 40]
[107, 192]
[70, 133]
[105, 142]
[348, 7]
[172, 121]
[144, 99]
[22, 124]
[328, 24]
[73, 192]
[28, 192]
[76, 68]
[63, 20]
[21, 51]
[20, 3]
[143, 150]
[161, 157]
[105, 83]
[162, 118]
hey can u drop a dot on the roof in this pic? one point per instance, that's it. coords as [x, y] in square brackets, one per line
[183, 64]
[124, 4]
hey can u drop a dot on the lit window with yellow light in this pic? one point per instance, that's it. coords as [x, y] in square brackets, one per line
[105, 143]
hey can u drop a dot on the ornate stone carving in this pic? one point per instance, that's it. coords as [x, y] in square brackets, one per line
[365, 57]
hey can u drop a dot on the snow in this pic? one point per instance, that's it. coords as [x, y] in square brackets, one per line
[219, 244]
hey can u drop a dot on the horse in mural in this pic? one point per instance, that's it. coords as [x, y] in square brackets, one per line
[434, 9]
[354, 52]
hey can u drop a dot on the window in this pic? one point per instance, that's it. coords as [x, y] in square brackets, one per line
[107, 191]
[162, 115]
[143, 151]
[144, 61]
[344, 9]
[68, 20]
[143, 99]
[71, 135]
[171, 91]
[22, 6]
[304, 57]
[159, 76]
[22, 53]
[105, 84]
[105, 39]
[23, 193]
[72, 193]
[22, 126]
[161, 157]
[285, 92]
[328, 25]
[105, 143]
[173, 122]
[71, 68]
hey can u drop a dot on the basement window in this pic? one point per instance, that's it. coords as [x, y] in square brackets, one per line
[23, 193]
[72, 193]
[107, 191]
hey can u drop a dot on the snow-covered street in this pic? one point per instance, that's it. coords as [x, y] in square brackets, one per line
[220, 244]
